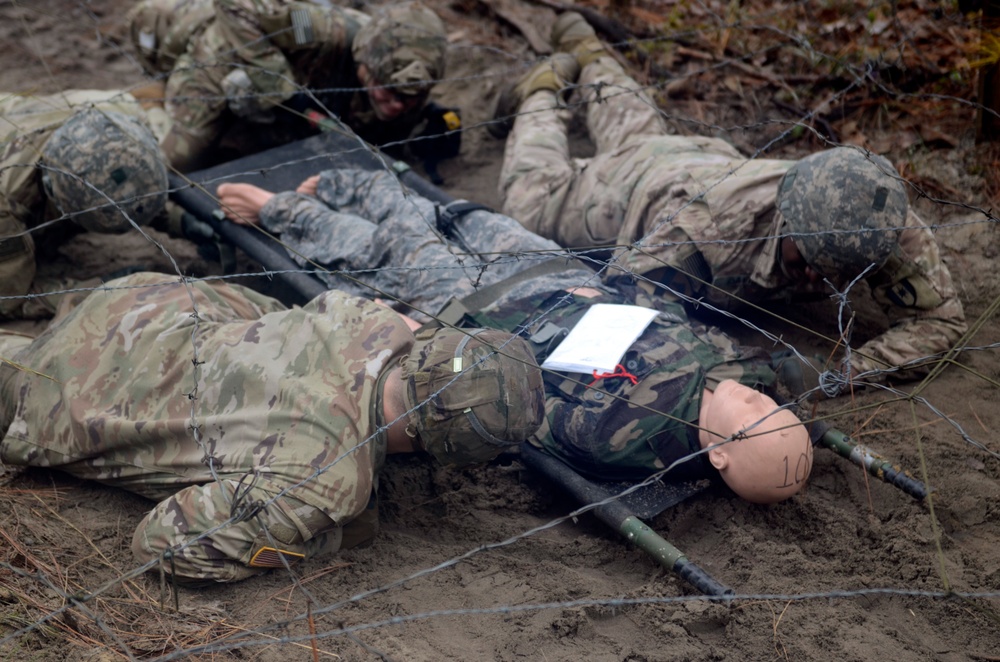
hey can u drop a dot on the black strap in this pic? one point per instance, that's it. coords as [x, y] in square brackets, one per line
[449, 214]
[455, 309]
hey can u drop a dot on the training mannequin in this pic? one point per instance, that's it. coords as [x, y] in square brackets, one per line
[762, 452]
[642, 419]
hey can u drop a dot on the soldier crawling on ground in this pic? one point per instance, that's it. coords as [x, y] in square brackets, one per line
[80, 160]
[259, 429]
[250, 59]
[692, 217]
[685, 395]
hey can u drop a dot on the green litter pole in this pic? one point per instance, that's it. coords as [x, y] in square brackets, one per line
[620, 518]
[873, 463]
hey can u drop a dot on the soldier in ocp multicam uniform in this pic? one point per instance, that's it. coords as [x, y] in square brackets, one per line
[244, 58]
[693, 214]
[69, 162]
[258, 429]
[659, 409]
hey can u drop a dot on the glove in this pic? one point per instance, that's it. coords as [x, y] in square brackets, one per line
[243, 99]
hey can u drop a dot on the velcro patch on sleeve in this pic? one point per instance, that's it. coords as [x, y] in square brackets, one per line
[270, 557]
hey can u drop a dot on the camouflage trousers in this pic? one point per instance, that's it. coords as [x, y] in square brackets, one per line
[383, 241]
[577, 202]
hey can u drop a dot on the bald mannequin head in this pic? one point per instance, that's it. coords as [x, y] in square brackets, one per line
[762, 452]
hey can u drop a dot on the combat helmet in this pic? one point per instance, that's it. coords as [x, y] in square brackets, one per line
[403, 46]
[471, 393]
[838, 206]
[100, 156]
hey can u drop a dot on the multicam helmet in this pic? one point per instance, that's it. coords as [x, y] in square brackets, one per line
[403, 46]
[839, 206]
[491, 393]
[100, 156]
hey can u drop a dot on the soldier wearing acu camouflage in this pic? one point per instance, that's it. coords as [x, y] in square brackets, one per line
[696, 216]
[244, 58]
[75, 161]
[377, 238]
[258, 429]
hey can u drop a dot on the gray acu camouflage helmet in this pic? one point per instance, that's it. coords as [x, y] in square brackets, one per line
[489, 399]
[403, 46]
[838, 206]
[109, 155]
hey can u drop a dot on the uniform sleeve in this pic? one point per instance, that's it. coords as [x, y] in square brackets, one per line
[197, 540]
[916, 290]
[240, 24]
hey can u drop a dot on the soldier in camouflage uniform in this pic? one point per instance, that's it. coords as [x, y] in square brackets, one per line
[258, 429]
[381, 239]
[695, 215]
[74, 161]
[241, 59]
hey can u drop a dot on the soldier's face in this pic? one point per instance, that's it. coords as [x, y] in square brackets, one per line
[794, 266]
[387, 104]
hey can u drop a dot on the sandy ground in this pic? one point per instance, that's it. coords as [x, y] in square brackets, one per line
[572, 591]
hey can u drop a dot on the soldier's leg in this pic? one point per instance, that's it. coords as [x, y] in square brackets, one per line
[618, 108]
[434, 267]
[537, 171]
[189, 534]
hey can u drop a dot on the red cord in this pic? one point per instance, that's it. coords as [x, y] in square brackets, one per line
[619, 372]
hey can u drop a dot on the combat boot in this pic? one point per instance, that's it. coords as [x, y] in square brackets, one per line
[571, 33]
[555, 73]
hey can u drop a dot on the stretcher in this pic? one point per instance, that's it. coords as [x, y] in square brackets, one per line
[621, 505]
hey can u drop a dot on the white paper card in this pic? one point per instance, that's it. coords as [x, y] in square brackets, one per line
[600, 338]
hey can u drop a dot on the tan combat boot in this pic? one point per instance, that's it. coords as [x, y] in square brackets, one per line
[554, 73]
[571, 33]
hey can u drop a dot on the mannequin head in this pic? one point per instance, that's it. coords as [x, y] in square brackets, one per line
[762, 452]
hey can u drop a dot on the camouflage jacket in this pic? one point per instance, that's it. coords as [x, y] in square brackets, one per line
[286, 44]
[146, 391]
[610, 428]
[161, 30]
[704, 210]
[385, 242]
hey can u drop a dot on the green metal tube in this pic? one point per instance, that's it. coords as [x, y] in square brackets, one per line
[670, 557]
[873, 463]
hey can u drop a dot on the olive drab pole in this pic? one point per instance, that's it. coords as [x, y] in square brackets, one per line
[872, 462]
[616, 515]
